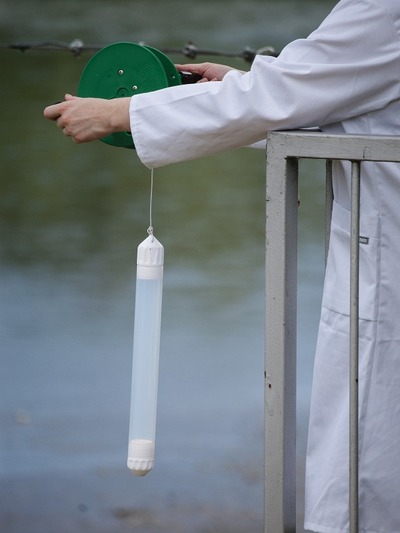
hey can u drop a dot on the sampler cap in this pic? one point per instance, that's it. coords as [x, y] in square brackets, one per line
[150, 256]
[140, 456]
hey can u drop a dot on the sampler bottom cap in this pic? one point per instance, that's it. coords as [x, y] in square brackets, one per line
[140, 456]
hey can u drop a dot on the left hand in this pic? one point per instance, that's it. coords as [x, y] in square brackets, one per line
[207, 71]
[89, 119]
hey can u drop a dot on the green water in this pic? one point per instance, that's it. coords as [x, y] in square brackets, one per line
[70, 220]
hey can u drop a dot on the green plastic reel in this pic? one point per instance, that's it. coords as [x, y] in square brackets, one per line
[125, 69]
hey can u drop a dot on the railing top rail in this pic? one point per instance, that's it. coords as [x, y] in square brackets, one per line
[310, 144]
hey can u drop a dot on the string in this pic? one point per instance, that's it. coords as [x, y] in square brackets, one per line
[150, 229]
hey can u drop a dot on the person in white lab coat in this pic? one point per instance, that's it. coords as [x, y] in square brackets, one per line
[345, 77]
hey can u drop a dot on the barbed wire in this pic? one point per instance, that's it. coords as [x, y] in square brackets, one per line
[189, 50]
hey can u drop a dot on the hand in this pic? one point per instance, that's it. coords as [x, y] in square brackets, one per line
[88, 119]
[207, 71]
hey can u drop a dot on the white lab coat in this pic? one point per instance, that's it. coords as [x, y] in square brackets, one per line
[344, 78]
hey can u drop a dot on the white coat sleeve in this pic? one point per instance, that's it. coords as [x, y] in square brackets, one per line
[347, 67]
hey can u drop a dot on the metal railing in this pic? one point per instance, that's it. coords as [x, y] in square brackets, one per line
[284, 150]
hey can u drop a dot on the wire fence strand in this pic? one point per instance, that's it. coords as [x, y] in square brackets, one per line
[189, 50]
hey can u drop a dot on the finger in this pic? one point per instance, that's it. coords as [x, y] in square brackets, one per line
[187, 67]
[196, 68]
[60, 122]
[53, 111]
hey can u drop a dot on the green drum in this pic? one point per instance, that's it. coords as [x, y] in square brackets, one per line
[125, 69]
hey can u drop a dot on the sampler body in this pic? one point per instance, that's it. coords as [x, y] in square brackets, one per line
[146, 349]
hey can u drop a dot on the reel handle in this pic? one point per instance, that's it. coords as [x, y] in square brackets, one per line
[189, 77]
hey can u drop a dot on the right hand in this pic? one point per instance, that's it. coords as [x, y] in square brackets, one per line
[88, 119]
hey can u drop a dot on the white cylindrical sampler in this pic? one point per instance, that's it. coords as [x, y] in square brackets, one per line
[146, 349]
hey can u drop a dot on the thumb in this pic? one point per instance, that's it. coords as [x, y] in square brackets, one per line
[70, 97]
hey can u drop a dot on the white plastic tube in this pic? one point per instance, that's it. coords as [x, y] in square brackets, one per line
[146, 349]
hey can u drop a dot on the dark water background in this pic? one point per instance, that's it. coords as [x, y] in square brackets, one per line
[70, 220]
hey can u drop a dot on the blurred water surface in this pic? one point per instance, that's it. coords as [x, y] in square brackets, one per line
[70, 220]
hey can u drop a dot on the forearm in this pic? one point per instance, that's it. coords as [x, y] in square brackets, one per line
[182, 123]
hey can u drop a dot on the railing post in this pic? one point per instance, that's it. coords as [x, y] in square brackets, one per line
[280, 342]
[328, 204]
[354, 355]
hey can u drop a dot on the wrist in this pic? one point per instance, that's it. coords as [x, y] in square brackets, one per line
[119, 114]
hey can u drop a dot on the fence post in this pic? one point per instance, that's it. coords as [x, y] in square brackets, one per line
[280, 341]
